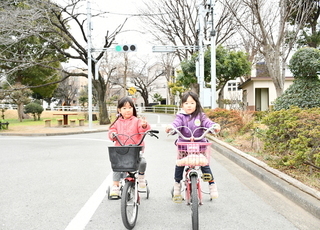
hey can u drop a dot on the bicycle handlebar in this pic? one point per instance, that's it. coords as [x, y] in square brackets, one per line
[149, 132]
[192, 138]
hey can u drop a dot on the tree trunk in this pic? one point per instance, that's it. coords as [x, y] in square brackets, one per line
[195, 88]
[101, 94]
[221, 97]
[145, 98]
[20, 111]
[272, 56]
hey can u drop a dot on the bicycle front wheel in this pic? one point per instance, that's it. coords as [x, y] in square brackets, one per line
[129, 205]
[194, 203]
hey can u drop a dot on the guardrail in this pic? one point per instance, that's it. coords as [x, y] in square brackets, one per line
[8, 106]
[154, 109]
[113, 109]
[148, 109]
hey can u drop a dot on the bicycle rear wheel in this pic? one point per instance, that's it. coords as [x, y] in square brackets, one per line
[129, 205]
[194, 203]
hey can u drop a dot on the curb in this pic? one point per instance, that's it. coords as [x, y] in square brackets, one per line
[54, 134]
[304, 196]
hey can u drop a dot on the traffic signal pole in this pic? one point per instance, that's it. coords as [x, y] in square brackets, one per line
[213, 59]
[89, 64]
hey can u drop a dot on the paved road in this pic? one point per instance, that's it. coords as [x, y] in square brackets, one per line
[59, 182]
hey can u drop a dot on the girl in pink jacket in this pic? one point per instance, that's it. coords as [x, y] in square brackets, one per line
[127, 123]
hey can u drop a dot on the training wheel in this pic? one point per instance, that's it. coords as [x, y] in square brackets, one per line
[108, 192]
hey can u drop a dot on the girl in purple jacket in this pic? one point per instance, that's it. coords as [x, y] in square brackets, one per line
[193, 117]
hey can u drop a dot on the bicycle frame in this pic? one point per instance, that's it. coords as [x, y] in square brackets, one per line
[189, 171]
[131, 177]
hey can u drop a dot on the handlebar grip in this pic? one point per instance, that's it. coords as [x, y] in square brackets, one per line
[154, 131]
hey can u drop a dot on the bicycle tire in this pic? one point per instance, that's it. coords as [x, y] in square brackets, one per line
[194, 203]
[129, 205]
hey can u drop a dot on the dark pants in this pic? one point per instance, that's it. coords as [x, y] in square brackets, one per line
[178, 174]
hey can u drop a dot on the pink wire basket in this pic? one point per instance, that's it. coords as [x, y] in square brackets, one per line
[193, 154]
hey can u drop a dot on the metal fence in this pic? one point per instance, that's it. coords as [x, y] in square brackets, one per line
[112, 109]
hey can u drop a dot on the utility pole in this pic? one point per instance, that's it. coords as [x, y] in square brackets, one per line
[89, 64]
[213, 58]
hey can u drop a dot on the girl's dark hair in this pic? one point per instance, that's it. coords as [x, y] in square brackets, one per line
[195, 97]
[121, 103]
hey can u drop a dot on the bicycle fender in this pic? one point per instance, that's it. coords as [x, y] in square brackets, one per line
[130, 179]
[193, 173]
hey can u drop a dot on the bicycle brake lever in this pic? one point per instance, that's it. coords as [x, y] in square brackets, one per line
[154, 135]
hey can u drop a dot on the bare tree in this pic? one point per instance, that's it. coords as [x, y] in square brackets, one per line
[167, 62]
[174, 22]
[144, 84]
[66, 91]
[267, 23]
[28, 21]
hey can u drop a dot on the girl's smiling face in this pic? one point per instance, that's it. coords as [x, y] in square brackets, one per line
[126, 111]
[189, 106]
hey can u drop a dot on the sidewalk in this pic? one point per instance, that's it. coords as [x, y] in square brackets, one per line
[41, 130]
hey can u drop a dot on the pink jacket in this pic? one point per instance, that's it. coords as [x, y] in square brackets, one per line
[128, 127]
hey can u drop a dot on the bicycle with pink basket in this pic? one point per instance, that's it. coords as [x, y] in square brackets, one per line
[193, 155]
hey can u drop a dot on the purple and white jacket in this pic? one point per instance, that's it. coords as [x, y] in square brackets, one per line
[183, 119]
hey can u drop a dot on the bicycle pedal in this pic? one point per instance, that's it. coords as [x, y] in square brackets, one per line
[177, 199]
[206, 177]
[115, 197]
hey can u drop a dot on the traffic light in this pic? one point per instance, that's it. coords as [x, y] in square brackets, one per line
[126, 48]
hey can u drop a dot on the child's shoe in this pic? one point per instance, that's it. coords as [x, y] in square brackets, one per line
[114, 192]
[177, 192]
[213, 191]
[142, 182]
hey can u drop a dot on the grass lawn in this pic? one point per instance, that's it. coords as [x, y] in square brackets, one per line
[11, 116]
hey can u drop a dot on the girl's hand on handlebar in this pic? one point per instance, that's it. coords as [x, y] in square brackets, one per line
[168, 129]
[216, 128]
[113, 136]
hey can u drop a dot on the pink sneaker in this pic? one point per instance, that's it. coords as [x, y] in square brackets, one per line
[213, 191]
[114, 192]
[142, 182]
[177, 198]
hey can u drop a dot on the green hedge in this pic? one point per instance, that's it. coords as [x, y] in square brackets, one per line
[293, 135]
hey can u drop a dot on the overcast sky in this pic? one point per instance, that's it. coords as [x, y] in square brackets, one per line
[117, 12]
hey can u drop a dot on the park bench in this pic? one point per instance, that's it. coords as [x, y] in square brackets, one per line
[72, 122]
[47, 123]
[59, 121]
[4, 125]
[81, 122]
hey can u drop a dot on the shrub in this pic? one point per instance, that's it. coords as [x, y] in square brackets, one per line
[35, 109]
[229, 120]
[293, 135]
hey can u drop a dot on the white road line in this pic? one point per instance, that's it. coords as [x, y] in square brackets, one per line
[84, 215]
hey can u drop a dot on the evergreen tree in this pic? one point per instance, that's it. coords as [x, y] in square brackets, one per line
[305, 90]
